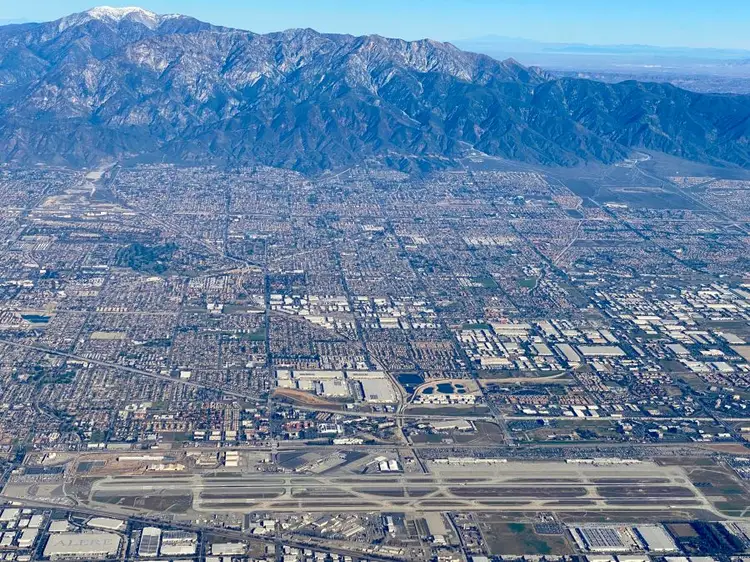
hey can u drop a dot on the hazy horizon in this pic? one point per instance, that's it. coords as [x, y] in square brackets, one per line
[690, 24]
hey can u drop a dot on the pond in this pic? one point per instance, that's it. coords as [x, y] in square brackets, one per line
[410, 381]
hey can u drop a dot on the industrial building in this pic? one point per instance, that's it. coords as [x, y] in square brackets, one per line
[377, 390]
[655, 538]
[569, 353]
[178, 543]
[385, 465]
[601, 351]
[372, 386]
[58, 526]
[231, 459]
[148, 547]
[454, 424]
[9, 514]
[228, 549]
[600, 539]
[88, 546]
[106, 523]
[27, 538]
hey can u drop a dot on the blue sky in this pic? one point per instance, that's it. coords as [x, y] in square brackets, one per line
[691, 23]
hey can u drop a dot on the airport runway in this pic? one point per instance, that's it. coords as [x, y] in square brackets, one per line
[512, 486]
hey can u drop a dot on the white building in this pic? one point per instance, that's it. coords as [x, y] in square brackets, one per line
[89, 546]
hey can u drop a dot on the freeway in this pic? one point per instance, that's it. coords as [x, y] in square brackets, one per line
[126, 369]
[402, 413]
[218, 532]
[221, 390]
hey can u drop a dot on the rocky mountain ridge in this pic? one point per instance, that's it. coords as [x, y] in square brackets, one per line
[130, 85]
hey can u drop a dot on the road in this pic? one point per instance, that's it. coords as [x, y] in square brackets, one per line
[217, 532]
[126, 369]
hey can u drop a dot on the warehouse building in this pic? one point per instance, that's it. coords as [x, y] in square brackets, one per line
[150, 540]
[569, 353]
[106, 523]
[375, 386]
[178, 543]
[27, 538]
[10, 515]
[600, 539]
[59, 526]
[655, 538]
[601, 351]
[82, 546]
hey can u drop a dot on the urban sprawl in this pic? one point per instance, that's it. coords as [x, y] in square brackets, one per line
[235, 365]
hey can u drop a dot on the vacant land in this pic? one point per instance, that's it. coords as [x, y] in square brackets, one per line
[304, 398]
[722, 487]
[520, 538]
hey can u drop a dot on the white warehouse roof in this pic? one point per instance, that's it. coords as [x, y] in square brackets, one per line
[82, 545]
[656, 539]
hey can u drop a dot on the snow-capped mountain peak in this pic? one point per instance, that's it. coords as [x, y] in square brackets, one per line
[108, 12]
[112, 15]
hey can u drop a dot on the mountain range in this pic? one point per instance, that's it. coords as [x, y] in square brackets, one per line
[129, 85]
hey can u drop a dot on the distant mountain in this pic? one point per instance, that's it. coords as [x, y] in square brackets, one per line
[498, 44]
[128, 84]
